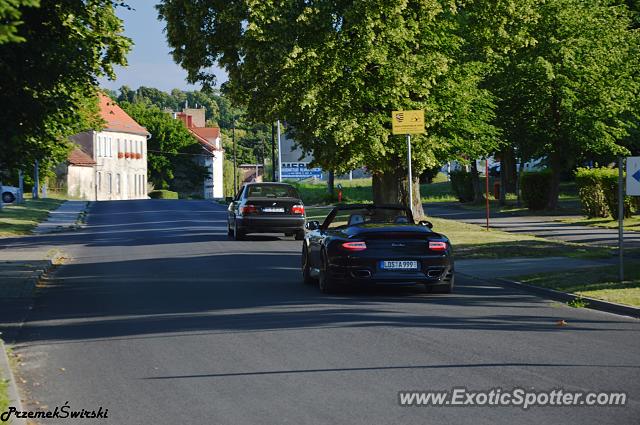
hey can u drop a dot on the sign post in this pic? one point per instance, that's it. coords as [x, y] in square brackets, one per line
[408, 122]
[632, 189]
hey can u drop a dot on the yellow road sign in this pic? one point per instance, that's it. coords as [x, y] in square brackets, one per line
[407, 122]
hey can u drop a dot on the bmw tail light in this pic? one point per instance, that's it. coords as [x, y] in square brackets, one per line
[248, 209]
[437, 246]
[355, 246]
[297, 209]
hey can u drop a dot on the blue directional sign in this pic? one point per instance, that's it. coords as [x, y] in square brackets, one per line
[633, 176]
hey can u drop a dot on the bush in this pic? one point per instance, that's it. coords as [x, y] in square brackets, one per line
[598, 192]
[462, 185]
[535, 187]
[163, 194]
[589, 182]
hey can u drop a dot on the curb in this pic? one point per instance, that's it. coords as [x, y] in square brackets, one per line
[12, 388]
[591, 303]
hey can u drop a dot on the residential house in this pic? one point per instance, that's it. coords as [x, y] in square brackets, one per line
[212, 157]
[110, 164]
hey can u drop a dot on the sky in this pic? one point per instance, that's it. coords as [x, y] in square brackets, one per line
[150, 61]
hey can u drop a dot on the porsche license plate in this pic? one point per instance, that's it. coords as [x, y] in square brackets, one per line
[399, 265]
[273, 210]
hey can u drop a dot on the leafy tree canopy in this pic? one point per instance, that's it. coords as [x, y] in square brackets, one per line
[48, 82]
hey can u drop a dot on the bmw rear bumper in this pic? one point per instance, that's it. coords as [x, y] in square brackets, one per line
[286, 224]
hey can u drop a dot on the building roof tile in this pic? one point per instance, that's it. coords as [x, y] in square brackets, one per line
[117, 119]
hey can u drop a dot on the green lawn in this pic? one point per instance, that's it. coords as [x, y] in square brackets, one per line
[472, 241]
[359, 190]
[18, 220]
[598, 282]
[631, 223]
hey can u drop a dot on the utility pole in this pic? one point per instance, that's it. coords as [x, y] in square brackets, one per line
[273, 153]
[235, 173]
[279, 155]
[410, 176]
[36, 178]
[20, 187]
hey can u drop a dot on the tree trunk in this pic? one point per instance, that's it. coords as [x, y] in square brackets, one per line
[503, 181]
[508, 168]
[556, 172]
[392, 188]
[478, 192]
[330, 183]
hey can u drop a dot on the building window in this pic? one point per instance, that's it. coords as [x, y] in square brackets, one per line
[118, 183]
[109, 188]
[99, 183]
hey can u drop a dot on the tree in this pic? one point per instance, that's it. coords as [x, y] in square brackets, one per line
[334, 70]
[48, 82]
[171, 149]
[10, 14]
[573, 92]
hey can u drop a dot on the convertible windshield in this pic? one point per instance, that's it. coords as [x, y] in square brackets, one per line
[271, 191]
[369, 216]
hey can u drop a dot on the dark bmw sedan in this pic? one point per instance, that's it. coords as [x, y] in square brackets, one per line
[266, 208]
[374, 245]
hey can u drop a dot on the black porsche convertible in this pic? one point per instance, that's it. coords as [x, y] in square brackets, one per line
[368, 244]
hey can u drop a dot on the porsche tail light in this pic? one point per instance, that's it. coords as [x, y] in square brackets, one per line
[437, 246]
[355, 246]
[248, 209]
[297, 209]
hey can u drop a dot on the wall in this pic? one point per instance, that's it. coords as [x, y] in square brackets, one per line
[80, 182]
[218, 175]
[120, 178]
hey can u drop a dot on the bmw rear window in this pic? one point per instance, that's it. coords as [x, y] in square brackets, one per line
[272, 191]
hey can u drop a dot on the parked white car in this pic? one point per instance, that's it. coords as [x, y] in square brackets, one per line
[9, 194]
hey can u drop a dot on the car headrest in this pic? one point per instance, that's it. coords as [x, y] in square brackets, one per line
[355, 219]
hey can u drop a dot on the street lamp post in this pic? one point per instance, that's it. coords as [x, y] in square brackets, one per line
[235, 173]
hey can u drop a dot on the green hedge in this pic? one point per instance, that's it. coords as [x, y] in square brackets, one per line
[591, 191]
[598, 192]
[163, 194]
[535, 187]
[462, 185]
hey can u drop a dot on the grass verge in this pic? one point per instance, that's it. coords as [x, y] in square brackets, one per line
[472, 241]
[597, 282]
[359, 190]
[16, 220]
[631, 223]
[4, 395]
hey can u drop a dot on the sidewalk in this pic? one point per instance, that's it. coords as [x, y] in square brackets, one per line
[66, 216]
[541, 226]
[21, 270]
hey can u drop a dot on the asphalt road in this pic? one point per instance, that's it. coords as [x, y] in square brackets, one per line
[162, 320]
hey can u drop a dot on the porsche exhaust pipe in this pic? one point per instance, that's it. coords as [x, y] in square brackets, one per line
[434, 273]
[361, 274]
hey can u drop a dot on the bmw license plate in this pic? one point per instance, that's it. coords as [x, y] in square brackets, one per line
[399, 265]
[273, 210]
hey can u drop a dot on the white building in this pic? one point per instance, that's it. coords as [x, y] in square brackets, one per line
[110, 164]
[212, 151]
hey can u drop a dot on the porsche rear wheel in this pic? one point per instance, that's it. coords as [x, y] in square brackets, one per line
[306, 269]
[324, 281]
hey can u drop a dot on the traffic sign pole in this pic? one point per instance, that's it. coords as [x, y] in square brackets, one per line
[620, 220]
[410, 176]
